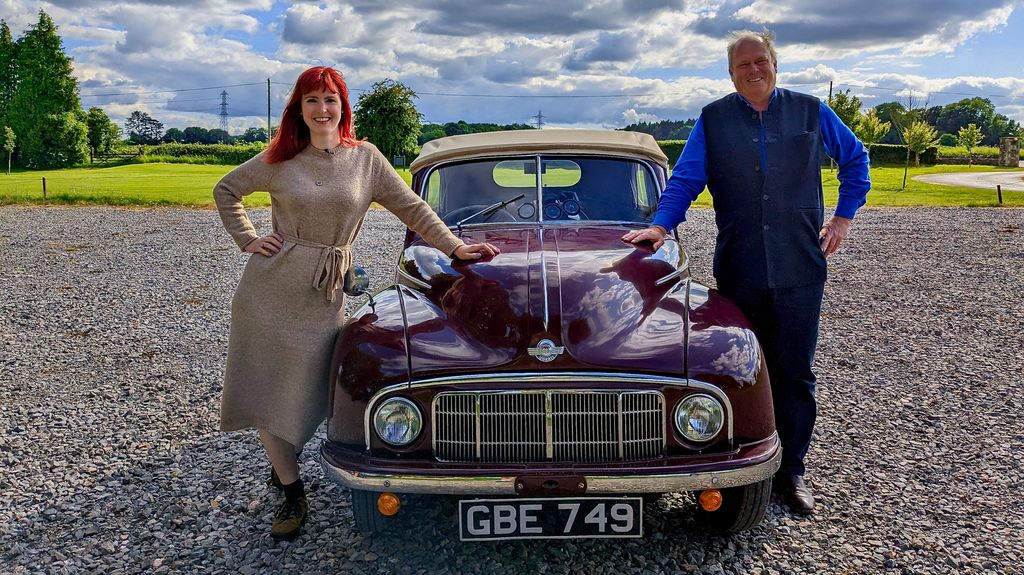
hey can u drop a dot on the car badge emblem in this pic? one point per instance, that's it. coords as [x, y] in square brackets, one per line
[546, 350]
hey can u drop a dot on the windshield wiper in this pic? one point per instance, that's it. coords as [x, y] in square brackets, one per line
[487, 210]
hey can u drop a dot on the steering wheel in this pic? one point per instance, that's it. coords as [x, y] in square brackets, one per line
[498, 215]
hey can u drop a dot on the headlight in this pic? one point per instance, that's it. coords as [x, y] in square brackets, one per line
[398, 421]
[699, 417]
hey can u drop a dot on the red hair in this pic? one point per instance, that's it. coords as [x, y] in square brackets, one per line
[293, 133]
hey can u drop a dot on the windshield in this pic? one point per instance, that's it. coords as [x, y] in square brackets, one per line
[542, 188]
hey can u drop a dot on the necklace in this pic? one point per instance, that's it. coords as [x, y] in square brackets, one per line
[326, 150]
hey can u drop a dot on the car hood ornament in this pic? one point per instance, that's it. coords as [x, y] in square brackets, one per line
[546, 350]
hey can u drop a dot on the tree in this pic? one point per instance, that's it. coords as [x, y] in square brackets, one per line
[65, 139]
[919, 137]
[845, 106]
[103, 133]
[457, 128]
[890, 113]
[45, 101]
[977, 111]
[218, 136]
[664, 129]
[8, 144]
[196, 135]
[870, 129]
[969, 136]
[8, 71]
[1001, 127]
[430, 132]
[143, 128]
[173, 135]
[387, 117]
[253, 134]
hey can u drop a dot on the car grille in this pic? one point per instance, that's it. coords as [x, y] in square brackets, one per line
[548, 425]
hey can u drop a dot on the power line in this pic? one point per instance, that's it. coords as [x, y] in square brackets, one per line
[171, 91]
[895, 90]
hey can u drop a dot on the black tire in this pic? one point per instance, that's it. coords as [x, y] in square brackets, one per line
[742, 508]
[364, 510]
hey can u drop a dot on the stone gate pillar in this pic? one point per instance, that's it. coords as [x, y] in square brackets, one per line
[1009, 152]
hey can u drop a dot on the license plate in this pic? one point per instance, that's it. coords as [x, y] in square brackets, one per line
[562, 518]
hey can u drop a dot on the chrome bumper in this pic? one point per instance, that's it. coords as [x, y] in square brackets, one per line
[505, 484]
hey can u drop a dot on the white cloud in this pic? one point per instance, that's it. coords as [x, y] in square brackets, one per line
[656, 58]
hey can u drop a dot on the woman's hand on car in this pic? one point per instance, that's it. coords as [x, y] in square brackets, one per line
[475, 251]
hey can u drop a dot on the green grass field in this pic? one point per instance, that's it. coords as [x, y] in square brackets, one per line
[191, 185]
[886, 192]
[128, 185]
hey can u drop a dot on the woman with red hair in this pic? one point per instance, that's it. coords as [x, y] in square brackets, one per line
[286, 310]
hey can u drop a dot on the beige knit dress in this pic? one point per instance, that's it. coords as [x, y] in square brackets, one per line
[286, 313]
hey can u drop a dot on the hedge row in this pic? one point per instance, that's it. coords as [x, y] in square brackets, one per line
[881, 154]
[896, 155]
[226, 154]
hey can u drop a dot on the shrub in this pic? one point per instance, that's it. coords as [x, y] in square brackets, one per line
[960, 151]
[896, 155]
[672, 149]
[226, 154]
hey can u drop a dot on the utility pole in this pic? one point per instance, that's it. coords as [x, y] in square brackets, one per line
[270, 128]
[539, 119]
[224, 110]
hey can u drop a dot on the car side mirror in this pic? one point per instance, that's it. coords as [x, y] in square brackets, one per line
[357, 281]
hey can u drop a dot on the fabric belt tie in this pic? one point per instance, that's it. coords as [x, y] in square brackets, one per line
[330, 269]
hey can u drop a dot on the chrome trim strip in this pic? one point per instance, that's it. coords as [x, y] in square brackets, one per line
[618, 418]
[477, 424]
[418, 282]
[596, 484]
[669, 277]
[569, 376]
[549, 427]
[540, 187]
[544, 279]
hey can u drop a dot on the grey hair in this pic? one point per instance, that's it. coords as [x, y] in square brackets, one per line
[766, 37]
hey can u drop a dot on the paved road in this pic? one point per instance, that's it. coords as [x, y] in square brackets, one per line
[988, 180]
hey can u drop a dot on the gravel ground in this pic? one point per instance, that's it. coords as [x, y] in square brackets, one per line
[113, 334]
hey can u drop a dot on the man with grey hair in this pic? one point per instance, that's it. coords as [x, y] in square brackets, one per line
[759, 152]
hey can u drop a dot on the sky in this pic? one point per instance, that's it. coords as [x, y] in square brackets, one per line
[568, 63]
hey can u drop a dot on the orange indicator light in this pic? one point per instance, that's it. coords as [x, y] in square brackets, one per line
[710, 500]
[388, 504]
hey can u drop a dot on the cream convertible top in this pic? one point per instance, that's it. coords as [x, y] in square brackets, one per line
[518, 142]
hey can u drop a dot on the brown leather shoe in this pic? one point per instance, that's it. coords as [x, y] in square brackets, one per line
[795, 493]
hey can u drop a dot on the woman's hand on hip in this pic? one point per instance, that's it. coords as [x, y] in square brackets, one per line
[265, 245]
[475, 251]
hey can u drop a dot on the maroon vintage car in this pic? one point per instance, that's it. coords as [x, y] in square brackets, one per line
[553, 385]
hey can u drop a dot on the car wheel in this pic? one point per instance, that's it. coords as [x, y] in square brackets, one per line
[742, 508]
[364, 510]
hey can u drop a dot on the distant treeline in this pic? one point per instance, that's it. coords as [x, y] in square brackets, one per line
[665, 129]
[434, 131]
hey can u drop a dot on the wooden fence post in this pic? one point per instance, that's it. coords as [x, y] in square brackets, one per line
[44, 187]
[999, 190]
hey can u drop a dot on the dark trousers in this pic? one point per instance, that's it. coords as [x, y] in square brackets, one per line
[786, 323]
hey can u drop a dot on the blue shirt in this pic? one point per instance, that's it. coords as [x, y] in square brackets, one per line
[690, 174]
